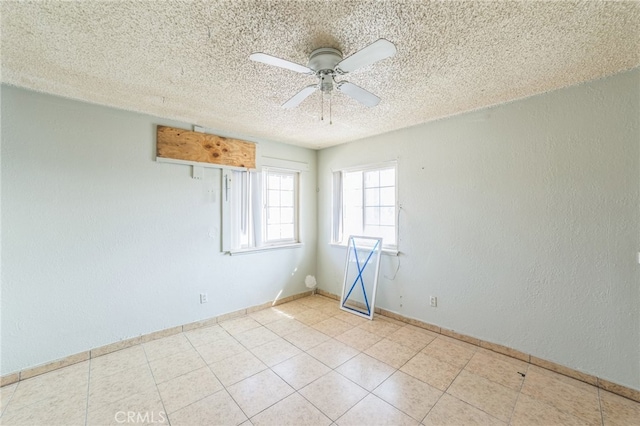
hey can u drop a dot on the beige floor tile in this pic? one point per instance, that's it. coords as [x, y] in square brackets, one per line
[301, 370]
[450, 411]
[269, 315]
[217, 409]
[291, 309]
[497, 370]
[557, 377]
[431, 370]
[239, 325]
[330, 309]
[380, 327]
[6, 392]
[392, 353]
[333, 394]
[390, 320]
[294, 410]
[316, 301]
[359, 339]
[444, 349]
[530, 411]
[285, 326]
[186, 389]
[220, 349]
[311, 317]
[505, 358]
[117, 361]
[352, 319]
[578, 401]
[332, 326]
[256, 337]
[306, 338]
[66, 409]
[333, 353]
[120, 385]
[408, 394]
[374, 411]
[259, 392]
[617, 410]
[52, 386]
[413, 337]
[141, 409]
[275, 351]
[176, 365]
[365, 371]
[202, 336]
[490, 397]
[166, 346]
[236, 368]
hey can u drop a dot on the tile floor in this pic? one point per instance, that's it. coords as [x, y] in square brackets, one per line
[308, 363]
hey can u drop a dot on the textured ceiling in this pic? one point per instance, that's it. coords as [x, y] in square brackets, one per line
[189, 60]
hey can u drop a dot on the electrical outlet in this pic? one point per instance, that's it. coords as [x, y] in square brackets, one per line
[203, 298]
[433, 301]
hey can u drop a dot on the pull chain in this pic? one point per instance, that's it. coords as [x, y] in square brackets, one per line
[330, 98]
[321, 103]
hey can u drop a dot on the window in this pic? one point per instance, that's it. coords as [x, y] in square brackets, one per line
[280, 206]
[260, 209]
[365, 204]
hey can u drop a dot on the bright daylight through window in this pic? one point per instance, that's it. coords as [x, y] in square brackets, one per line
[365, 204]
[260, 209]
[280, 206]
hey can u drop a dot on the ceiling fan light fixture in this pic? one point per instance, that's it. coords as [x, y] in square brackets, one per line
[325, 63]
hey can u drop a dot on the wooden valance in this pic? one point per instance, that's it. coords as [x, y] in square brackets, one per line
[180, 144]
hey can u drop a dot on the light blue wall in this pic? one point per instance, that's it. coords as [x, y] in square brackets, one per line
[102, 243]
[524, 221]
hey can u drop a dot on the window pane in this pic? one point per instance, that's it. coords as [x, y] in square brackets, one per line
[286, 215]
[388, 196]
[372, 215]
[353, 198]
[286, 198]
[273, 215]
[369, 204]
[273, 181]
[286, 182]
[388, 234]
[387, 216]
[352, 180]
[279, 221]
[273, 198]
[372, 231]
[388, 177]
[286, 232]
[273, 232]
[372, 197]
[371, 178]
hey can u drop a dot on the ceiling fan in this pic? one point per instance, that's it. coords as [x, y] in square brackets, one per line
[326, 64]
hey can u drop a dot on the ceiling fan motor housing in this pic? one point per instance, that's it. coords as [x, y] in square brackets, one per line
[324, 59]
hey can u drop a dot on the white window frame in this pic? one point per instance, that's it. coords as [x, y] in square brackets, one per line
[244, 213]
[265, 198]
[338, 237]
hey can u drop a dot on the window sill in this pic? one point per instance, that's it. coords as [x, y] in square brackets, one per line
[237, 252]
[385, 251]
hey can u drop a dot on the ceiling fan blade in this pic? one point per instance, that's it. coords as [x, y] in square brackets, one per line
[365, 97]
[376, 51]
[278, 62]
[300, 96]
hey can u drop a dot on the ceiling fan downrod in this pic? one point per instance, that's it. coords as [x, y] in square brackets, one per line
[326, 86]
